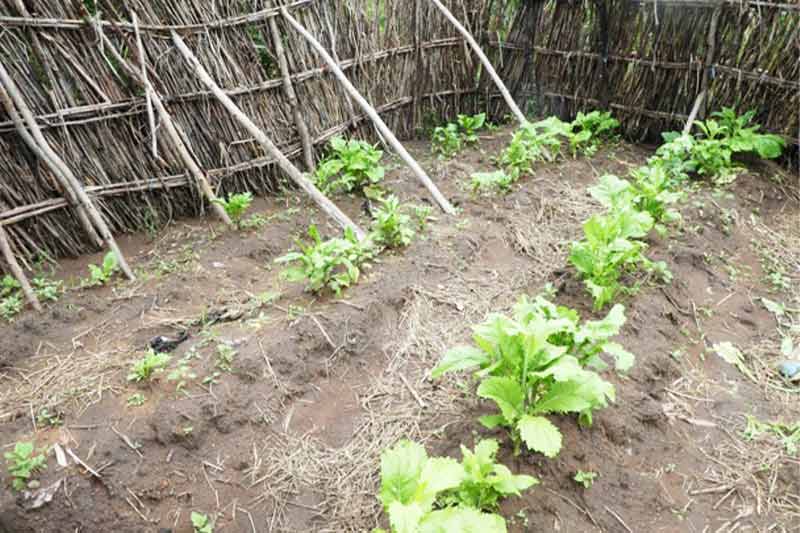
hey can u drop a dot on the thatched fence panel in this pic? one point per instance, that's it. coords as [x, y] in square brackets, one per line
[407, 61]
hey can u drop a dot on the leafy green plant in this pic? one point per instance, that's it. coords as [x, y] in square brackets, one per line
[45, 418]
[539, 141]
[351, 166]
[524, 370]
[390, 226]
[9, 285]
[10, 306]
[334, 263]
[236, 205]
[446, 141]
[744, 137]
[491, 181]
[590, 129]
[650, 192]
[202, 523]
[610, 248]
[585, 478]
[100, 275]
[151, 364]
[423, 214]
[411, 482]
[47, 289]
[485, 481]
[22, 464]
[470, 125]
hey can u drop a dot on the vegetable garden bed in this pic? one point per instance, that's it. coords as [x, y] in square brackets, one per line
[274, 413]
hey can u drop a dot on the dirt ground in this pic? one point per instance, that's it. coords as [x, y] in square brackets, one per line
[289, 438]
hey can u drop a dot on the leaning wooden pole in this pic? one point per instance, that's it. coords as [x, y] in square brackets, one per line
[16, 270]
[19, 124]
[169, 125]
[485, 60]
[283, 162]
[376, 119]
[58, 166]
[291, 94]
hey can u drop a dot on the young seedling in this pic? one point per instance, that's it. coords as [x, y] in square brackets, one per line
[529, 368]
[236, 206]
[334, 264]
[470, 125]
[351, 166]
[100, 275]
[589, 130]
[446, 141]
[411, 483]
[146, 367]
[22, 464]
[136, 400]
[202, 523]
[585, 478]
[225, 356]
[391, 227]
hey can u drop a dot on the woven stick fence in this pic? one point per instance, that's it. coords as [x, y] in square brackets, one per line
[153, 145]
[648, 61]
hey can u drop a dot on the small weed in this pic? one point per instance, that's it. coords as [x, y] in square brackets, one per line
[585, 478]
[201, 523]
[46, 418]
[136, 400]
[423, 215]
[151, 364]
[10, 306]
[182, 374]
[22, 464]
[491, 181]
[212, 379]
[224, 357]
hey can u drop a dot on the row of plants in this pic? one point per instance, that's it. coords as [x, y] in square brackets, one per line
[613, 248]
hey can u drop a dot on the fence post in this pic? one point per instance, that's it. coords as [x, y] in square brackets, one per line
[288, 89]
[16, 270]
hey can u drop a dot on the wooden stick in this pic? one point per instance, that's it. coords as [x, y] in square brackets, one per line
[698, 102]
[485, 60]
[57, 165]
[443, 202]
[13, 265]
[169, 125]
[151, 120]
[283, 162]
[80, 212]
[288, 89]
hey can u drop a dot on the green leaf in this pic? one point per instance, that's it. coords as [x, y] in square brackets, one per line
[506, 393]
[401, 468]
[462, 520]
[611, 191]
[777, 309]
[405, 518]
[460, 358]
[564, 397]
[540, 435]
[623, 359]
[440, 474]
[508, 484]
[493, 421]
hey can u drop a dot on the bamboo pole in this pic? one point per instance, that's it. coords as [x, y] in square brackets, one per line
[169, 125]
[485, 60]
[283, 162]
[58, 166]
[288, 89]
[19, 124]
[384, 130]
[700, 103]
[16, 270]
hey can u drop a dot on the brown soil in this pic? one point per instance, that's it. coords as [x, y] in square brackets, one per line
[289, 439]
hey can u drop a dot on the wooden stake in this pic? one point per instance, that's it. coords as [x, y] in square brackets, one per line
[57, 165]
[283, 162]
[169, 125]
[288, 89]
[376, 119]
[485, 60]
[16, 270]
